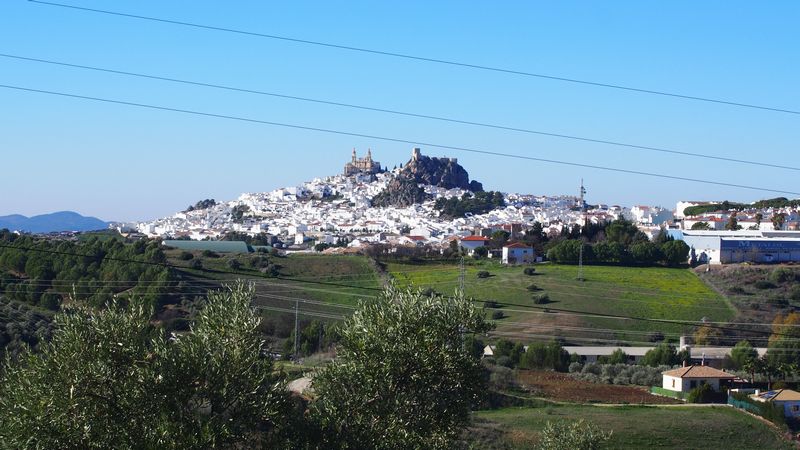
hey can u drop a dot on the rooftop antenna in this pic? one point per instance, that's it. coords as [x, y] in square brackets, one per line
[583, 225]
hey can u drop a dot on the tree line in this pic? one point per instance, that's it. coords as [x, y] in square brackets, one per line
[618, 242]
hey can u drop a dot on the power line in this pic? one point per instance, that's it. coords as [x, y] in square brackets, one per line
[400, 140]
[402, 113]
[425, 59]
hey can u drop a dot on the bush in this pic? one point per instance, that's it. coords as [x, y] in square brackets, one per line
[186, 256]
[491, 304]
[497, 315]
[700, 394]
[483, 274]
[577, 435]
[782, 275]
[533, 288]
[210, 254]
[542, 299]
[764, 284]
[737, 290]
[794, 292]
[196, 264]
[234, 264]
[529, 271]
[501, 378]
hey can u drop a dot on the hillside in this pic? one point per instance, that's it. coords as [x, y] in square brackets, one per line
[53, 222]
[653, 292]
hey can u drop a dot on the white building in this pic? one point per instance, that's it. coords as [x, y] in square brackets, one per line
[684, 379]
[518, 253]
[470, 243]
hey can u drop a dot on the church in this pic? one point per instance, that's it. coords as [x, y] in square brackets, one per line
[362, 165]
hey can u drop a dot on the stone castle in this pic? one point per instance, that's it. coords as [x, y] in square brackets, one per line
[362, 165]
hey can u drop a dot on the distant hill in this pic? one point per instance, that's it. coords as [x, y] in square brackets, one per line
[57, 221]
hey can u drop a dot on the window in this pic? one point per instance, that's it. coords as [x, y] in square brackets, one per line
[795, 408]
[692, 384]
[673, 382]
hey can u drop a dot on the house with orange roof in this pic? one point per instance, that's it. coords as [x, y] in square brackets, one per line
[470, 243]
[786, 399]
[684, 379]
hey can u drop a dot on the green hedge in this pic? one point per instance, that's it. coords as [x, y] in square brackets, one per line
[667, 393]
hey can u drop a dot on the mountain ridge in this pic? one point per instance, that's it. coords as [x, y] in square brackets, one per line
[52, 222]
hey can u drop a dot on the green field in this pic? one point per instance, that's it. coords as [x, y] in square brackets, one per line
[652, 292]
[305, 279]
[636, 427]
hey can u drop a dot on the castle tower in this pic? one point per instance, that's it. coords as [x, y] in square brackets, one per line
[415, 154]
[369, 154]
[354, 154]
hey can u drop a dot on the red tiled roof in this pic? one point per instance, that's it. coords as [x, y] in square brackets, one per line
[474, 238]
[416, 238]
[698, 372]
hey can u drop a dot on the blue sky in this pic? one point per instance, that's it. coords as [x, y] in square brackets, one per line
[124, 163]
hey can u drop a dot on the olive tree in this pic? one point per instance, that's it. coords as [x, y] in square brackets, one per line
[403, 376]
[577, 435]
[110, 379]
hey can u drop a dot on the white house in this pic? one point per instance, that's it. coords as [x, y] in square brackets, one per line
[518, 253]
[684, 379]
[470, 243]
[786, 398]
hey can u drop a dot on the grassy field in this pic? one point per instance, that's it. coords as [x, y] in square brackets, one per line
[661, 293]
[637, 427]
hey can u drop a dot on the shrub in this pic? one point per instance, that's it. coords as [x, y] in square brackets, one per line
[234, 264]
[737, 290]
[700, 394]
[542, 299]
[497, 314]
[491, 304]
[782, 275]
[483, 274]
[575, 367]
[186, 256]
[794, 292]
[501, 378]
[580, 434]
[764, 284]
[532, 287]
[529, 271]
[210, 254]
[196, 264]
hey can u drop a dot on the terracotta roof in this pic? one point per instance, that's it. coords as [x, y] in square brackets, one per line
[517, 245]
[780, 395]
[697, 372]
[474, 238]
[416, 238]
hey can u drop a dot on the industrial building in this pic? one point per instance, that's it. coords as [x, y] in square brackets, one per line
[726, 247]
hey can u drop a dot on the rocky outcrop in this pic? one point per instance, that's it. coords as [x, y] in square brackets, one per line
[442, 172]
[402, 191]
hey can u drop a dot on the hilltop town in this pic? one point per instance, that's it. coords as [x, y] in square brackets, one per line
[324, 210]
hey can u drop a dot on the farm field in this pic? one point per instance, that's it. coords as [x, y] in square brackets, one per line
[635, 427]
[654, 292]
[562, 387]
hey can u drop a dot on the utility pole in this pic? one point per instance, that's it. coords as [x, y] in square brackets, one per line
[296, 326]
[583, 225]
